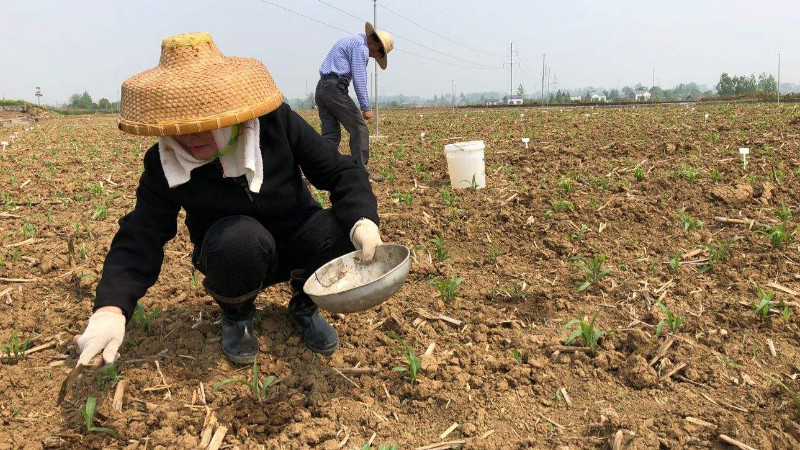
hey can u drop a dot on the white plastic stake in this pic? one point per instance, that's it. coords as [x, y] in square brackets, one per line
[744, 151]
[706, 117]
[4, 144]
[521, 115]
[586, 117]
[422, 136]
[525, 141]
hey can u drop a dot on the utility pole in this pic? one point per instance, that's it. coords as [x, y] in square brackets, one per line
[511, 91]
[375, 23]
[543, 58]
[453, 83]
[779, 78]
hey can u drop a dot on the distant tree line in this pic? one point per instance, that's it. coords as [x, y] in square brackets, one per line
[84, 101]
[744, 85]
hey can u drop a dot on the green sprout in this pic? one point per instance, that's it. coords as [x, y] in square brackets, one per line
[447, 288]
[638, 173]
[13, 348]
[672, 320]
[88, 419]
[257, 387]
[782, 234]
[414, 364]
[144, 321]
[494, 251]
[717, 252]
[587, 331]
[404, 197]
[688, 223]
[592, 269]
[108, 376]
[440, 251]
[517, 357]
[28, 230]
[566, 184]
[765, 303]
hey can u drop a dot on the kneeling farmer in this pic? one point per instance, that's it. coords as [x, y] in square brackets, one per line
[229, 153]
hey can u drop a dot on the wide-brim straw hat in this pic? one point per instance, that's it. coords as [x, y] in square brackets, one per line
[195, 88]
[387, 41]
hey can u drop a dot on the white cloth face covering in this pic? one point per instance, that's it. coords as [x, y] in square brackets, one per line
[243, 159]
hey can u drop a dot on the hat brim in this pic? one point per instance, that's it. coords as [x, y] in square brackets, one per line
[370, 30]
[184, 99]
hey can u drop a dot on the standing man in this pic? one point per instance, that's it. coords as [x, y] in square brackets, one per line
[347, 61]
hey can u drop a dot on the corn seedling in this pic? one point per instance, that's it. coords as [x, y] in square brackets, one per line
[688, 223]
[587, 331]
[447, 288]
[404, 197]
[717, 252]
[142, 320]
[367, 446]
[579, 233]
[321, 197]
[494, 251]
[14, 349]
[257, 387]
[88, 419]
[672, 320]
[517, 291]
[473, 184]
[559, 205]
[195, 279]
[782, 234]
[448, 198]
[592, 269]
[28, 230]
[108, 376]
[790, 391]
[566, 184]
[638, 174]
[440, 252]
[100, 211]
[414, 364]
[765, 303]
[715, 175]
[517, 357]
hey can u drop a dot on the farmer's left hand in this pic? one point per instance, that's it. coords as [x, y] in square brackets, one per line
[365, 237]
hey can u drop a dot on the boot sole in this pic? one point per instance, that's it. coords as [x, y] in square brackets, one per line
[238, 359]
[321, 351]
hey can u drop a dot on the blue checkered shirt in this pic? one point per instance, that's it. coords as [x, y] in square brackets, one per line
[348, 58]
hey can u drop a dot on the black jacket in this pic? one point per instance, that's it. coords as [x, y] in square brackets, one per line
[288, 143]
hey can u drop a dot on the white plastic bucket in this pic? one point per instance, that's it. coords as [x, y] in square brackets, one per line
[465, 164]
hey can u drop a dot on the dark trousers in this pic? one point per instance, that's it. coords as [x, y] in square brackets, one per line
[336, 107]
[240, 258]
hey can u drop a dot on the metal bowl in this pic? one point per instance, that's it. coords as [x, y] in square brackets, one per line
[347, 284]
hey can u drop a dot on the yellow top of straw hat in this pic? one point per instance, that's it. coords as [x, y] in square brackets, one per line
[195, 88]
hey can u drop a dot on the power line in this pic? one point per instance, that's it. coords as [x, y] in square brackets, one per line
[303, 15]
[482, 66]
[445, 62]
[473, 66]
[437, 34]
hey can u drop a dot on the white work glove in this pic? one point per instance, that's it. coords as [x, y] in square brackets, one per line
[365, 237]
[104, 333]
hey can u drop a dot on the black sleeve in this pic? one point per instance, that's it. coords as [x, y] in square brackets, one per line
[137, 250]
[327, 169]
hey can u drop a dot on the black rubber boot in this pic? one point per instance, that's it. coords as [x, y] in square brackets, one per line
[318, 335]
[239, 343]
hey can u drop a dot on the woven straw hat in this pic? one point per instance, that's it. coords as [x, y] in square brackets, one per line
[387, 41]
[195, 88]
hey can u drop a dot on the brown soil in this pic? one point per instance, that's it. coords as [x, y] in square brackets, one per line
[500, 374]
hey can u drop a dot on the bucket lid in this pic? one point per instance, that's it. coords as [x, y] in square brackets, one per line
[470, 146]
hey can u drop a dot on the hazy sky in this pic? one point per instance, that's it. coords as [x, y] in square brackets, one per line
[70, 46]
